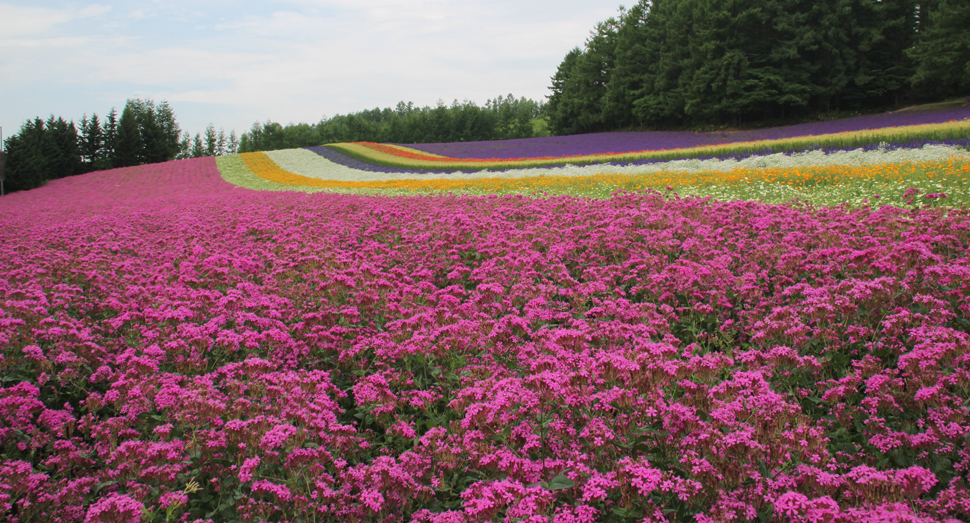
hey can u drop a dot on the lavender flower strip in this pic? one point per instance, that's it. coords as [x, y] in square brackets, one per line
[347, 161]
[617, 142]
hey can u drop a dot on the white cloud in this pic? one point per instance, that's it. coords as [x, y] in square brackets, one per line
[19, 21]
[286, 60]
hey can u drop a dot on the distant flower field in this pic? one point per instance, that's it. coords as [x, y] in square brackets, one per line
[728, 334]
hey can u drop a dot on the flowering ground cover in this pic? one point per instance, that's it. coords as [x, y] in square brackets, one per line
[175, 347]
[882, 176]
[601, 143]
[397, 156]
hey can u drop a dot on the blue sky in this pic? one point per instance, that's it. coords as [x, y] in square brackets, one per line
[235, 62]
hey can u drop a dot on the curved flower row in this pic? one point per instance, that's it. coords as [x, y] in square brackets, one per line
[854, 177]
[403, 157]
[556, 146]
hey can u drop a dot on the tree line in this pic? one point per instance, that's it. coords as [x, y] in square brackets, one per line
[144, 133]
[499, 119]
[680, 63]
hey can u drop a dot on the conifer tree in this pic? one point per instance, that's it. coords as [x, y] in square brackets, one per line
[92, 143]
[169, 131]
[62, 148]
[27, 163]
[633, 60]
[128, 144]
[942, 52]
[152, 145]
[666, 33]
[211, 140]
[222, 143]
[198, 148]
[233, 146]
[110, 139]
[562, 108]
[185, 147]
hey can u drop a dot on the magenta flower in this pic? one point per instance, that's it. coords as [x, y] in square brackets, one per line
[114, 508]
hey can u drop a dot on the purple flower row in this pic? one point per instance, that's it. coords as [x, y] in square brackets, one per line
[343, 159]
[639, 141]
[348, 161]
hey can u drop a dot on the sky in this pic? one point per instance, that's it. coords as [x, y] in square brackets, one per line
[232, 63]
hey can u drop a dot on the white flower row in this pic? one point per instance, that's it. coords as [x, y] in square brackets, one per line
[309, 164]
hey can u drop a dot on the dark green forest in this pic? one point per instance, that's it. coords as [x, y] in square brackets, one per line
[499, 119]
[55, 148]
[683, 63]
[144, 133]
[148, 133]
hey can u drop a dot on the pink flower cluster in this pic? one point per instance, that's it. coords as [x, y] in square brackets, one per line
[454, 359]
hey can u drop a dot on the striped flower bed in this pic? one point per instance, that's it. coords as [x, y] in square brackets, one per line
[409, 158]
[599, 143]
[855, 177]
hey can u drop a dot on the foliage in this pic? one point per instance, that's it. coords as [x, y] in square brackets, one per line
[670, 63]
[394, 156]
[943, 53]
[128, 141]
[212, 144]
[855, 178]
[500, 118]
[43, 151]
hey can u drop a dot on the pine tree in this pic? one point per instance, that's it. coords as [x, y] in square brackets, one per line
[884, 30]
[92, 143]
[62, 148]
[732, 74]
[198, 149]
[562, 107]
[152, 148]
[169, 131]
[110, 132]
[667, 33]
[83, 143]
[630, 70]
[27, 163]
[233, 143]
[185, 145]
[788, 48]
[942, 53]
[211, 140]
[221, 143]
[128, 144]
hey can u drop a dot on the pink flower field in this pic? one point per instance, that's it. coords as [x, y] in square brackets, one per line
[175, 348]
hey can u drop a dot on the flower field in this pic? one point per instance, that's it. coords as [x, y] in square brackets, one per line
[602, 143]
[301, 335]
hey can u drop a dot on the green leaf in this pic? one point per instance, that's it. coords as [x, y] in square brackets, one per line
[763, 468]
[559, 483]
[627, 513]
[642, 447]
[100, 486]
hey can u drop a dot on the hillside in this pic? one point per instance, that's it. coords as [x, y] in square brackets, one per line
[306, 335]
